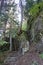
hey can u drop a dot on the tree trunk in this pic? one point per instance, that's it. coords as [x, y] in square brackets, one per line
[10, 42]
[10, 37]
[20, 27]
[5, 28]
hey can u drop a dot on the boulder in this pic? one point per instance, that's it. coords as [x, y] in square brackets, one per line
[39, 47]
[24, 46]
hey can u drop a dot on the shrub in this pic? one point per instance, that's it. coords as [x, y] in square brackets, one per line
[3, 45]
[2, 42]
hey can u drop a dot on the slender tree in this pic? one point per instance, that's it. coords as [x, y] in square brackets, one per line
[22, 7]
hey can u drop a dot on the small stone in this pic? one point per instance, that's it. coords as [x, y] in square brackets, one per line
[35, 63]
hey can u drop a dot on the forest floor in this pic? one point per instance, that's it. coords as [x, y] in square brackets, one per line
[16, 58]
[29, 58]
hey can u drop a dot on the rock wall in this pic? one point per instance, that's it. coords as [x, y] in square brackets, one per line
[37, 34]
[37, 29]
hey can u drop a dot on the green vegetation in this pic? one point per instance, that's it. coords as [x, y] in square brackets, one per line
[34, 11]
[2, 42]
[4, 46]
[41, 55]
[24, 26]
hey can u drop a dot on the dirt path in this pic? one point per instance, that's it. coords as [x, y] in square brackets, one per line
[29, 58]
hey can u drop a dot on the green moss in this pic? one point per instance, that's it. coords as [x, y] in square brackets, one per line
[34, 11]
[24, 26]
[41, 5]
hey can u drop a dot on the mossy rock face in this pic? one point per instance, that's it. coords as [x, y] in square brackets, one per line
[37, 29]
[33, 24]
